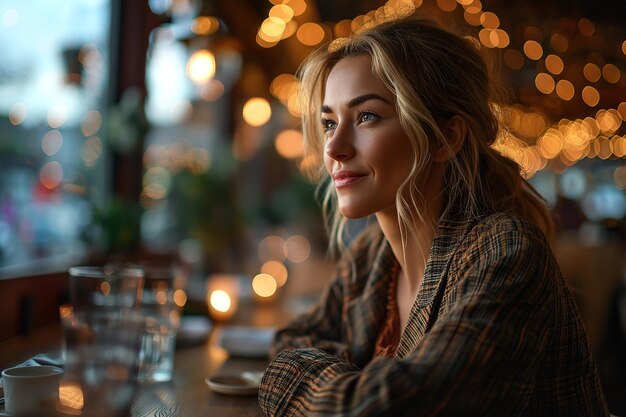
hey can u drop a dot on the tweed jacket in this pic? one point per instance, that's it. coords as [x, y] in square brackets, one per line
[494, 331]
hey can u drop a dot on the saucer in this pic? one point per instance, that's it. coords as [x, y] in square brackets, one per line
[244, 383]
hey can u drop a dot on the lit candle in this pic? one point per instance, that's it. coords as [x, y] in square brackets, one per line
[222, 296]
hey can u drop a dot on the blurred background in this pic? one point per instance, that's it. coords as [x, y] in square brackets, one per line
[169, 130]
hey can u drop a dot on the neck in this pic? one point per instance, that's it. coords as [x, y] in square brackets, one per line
[412, 250]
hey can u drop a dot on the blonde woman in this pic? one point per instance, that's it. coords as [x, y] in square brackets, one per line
[452, 302]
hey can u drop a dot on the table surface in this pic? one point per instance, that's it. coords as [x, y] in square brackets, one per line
[187, 395]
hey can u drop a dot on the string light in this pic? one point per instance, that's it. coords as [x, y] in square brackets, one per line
[590, 96]
[571, 146]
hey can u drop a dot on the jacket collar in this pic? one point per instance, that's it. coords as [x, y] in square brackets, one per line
[451, 228]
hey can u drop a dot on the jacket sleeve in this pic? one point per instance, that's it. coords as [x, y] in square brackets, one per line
[479, 358]
[320, 327]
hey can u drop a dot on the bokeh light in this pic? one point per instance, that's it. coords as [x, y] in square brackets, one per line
[621, 109]
[533, 50]
[533, 33]
[544, 83]
[57, 116]
[447, 5]
[609, 121]
[92, 123]
[611, 73]
[264, 285]
[289, 144]
[586, 27]
[52, 142]
[201, 66]
[297, 248]
[51, 175]
[71, 396]
[310, 34]
[220, 301]
[590, 96]
[105, 288]
[592, 72]
[91, 151]
[565, 90]
[283, 86]
[290, 28]
[212, 90]
[559, 43]
[260, 40]
[17, 114]
[298, 6]
[256, 111]
[472, 16]
[205, 25]
[513, 59]
[277, 270]
[342, 28]
[272, 29]
[282, 12]
[554, 64]
[271, 249]
[489, 20]
[180, 297]
[502, 36]
[619, 177]
[550, 144]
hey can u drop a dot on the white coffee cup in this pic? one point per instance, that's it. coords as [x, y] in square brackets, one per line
[30, 388]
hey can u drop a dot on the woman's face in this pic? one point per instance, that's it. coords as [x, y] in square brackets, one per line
[367, 153]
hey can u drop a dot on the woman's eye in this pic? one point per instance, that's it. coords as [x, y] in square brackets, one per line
[367, 117]
[328, 125]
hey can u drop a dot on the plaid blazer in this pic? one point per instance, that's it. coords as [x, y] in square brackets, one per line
[493, 332]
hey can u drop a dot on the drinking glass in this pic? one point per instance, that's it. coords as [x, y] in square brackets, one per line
[161, 319]
[105, 286]
[102, 331]
[102, 348]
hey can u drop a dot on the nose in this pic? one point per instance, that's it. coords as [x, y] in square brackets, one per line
[339, 146]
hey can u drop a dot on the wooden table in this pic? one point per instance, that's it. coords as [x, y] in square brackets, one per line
[187, 395]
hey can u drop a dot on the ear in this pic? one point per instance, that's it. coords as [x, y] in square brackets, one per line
[455, 131]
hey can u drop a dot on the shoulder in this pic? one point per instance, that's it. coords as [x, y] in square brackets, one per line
[506, 232]
[506, 222]
[505, 249]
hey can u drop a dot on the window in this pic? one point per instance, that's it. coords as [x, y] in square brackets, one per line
[53, 90]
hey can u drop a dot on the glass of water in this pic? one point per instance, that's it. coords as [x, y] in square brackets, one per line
[102, 347]
[161, 319]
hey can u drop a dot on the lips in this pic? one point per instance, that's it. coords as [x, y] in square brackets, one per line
[344, 178]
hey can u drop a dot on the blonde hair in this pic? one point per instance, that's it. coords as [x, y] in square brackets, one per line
[434, 75]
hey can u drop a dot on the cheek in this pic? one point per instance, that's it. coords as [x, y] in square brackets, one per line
[328, 163]
[396, 157]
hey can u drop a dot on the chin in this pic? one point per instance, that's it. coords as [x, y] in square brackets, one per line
[353, 213]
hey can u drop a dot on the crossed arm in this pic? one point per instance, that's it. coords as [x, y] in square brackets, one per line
[481, 354]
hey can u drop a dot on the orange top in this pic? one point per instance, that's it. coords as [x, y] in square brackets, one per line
[389, 335]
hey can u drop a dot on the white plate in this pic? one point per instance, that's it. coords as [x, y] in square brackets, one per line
[193, 330]
[244, 383]
[248, 342]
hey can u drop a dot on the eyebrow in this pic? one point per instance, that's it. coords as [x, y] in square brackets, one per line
[357, 100]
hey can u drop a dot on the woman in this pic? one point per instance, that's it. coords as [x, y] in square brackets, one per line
[451, 303]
